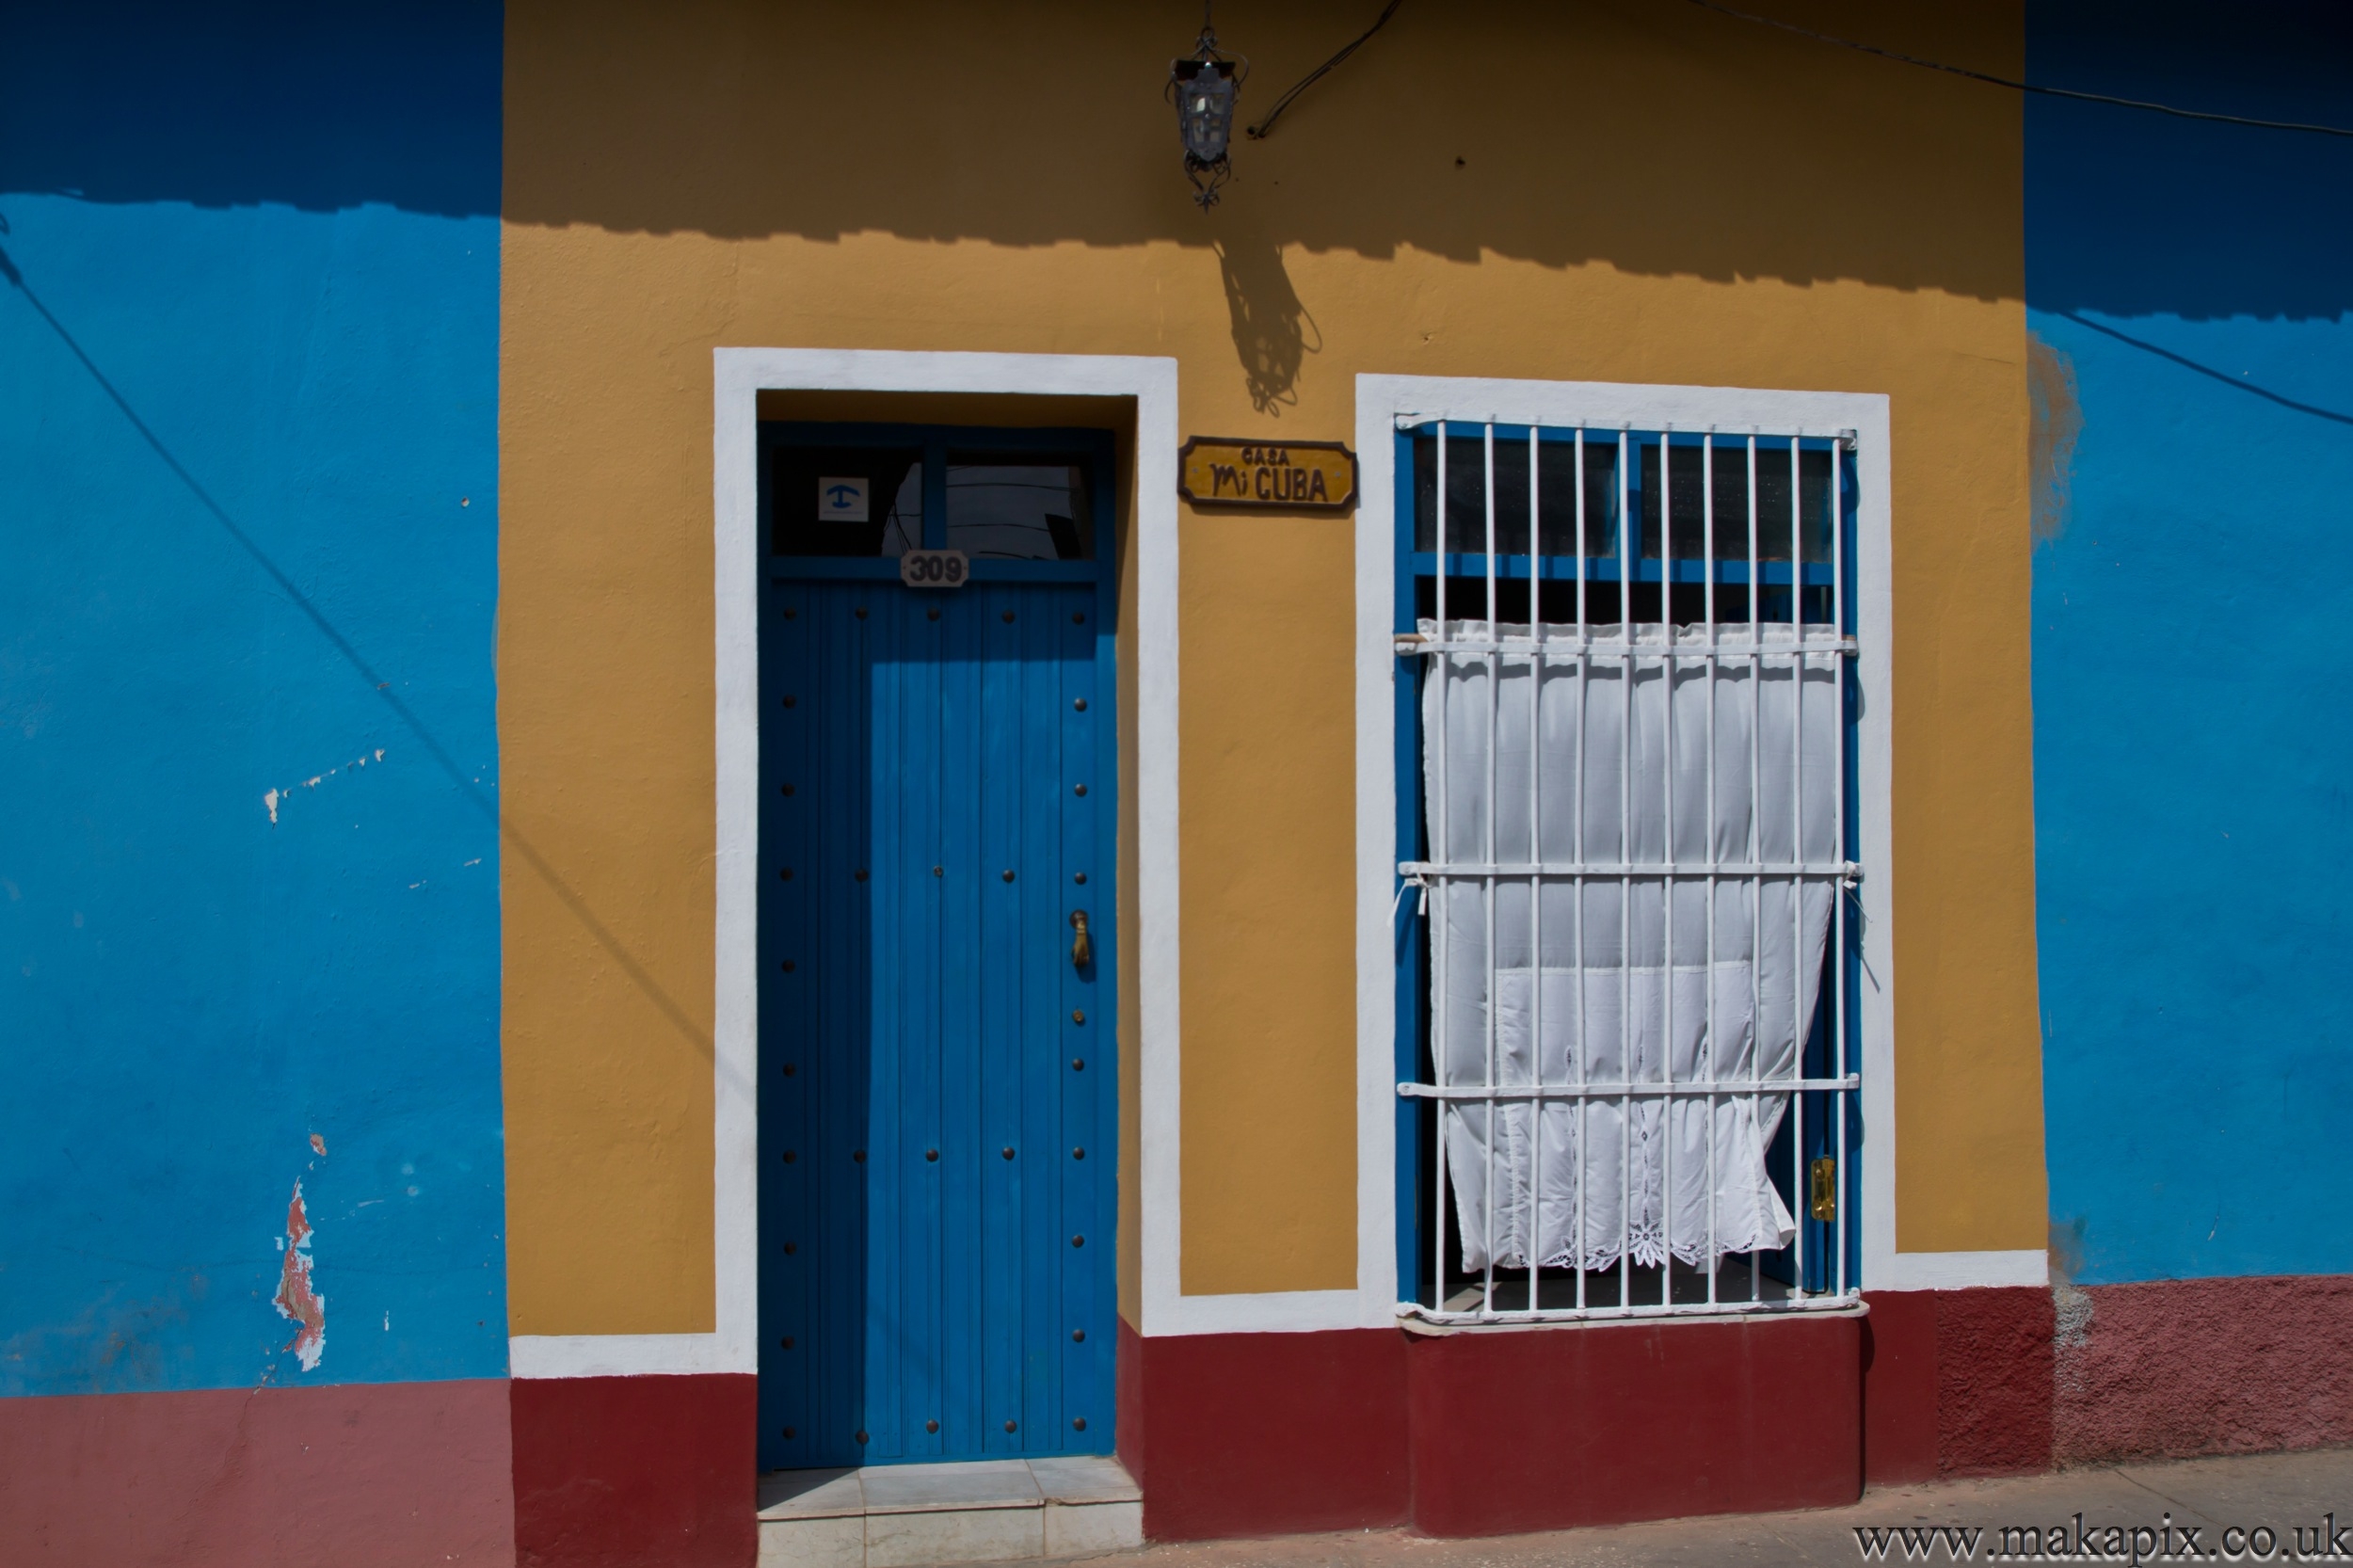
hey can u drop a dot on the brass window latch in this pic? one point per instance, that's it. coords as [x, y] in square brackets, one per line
[1824, 1204]
[1081, 946]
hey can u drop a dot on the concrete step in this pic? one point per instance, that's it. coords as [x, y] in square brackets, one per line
[918, 1515]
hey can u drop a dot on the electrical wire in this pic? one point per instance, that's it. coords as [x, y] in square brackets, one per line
[1993, 80]
[1258, 132]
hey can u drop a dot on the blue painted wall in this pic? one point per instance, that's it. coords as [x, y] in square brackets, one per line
[248, 327]
[2192, 602]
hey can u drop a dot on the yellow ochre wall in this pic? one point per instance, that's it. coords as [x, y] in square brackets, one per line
[1632, 190]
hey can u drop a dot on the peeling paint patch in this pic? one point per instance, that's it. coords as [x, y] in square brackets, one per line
[297, 1301]
[318, 1146]
[273, 799]
[2056, 423]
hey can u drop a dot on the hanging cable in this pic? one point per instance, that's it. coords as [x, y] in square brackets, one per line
[1993, 80]
[1258, 132]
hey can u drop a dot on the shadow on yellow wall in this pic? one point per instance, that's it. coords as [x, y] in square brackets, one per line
[1630, 190]
[1645, 134]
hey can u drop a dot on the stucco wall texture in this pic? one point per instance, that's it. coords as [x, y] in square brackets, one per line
[249, 768]
[381, 1475]
[1619, 191]
[2247, 1365]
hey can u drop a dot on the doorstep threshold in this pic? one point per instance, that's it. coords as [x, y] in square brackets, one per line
[973, 1511]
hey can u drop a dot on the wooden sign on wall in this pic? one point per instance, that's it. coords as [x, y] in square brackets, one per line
[1274, 475]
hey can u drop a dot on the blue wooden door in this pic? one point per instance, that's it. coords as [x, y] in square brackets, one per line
[938, 1089]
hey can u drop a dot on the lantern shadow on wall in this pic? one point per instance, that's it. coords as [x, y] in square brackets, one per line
[1273, 333]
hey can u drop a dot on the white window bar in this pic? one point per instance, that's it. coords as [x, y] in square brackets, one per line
[1526, 1119]
[1440, 931]
[1494, 617]
[1627, 523]
[1715, 850]
[1796, 839]
[1667, 849]
[1584, 666]
[1838, 840]
[1535, 814]
[1757, 715]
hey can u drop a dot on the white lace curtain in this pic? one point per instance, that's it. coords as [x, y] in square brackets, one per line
[1584, 1182]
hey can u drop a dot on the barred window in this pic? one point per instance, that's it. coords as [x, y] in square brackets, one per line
[1631, 773]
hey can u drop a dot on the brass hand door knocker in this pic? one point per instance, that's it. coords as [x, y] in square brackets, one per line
[1081, 947]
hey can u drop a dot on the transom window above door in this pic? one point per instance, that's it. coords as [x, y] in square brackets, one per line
[877, 492]
[1018, 510]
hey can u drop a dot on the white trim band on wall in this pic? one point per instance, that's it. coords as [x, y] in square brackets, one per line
[613, 1355]
[1963, 1271]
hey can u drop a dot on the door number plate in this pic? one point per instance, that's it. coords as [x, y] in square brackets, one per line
[934, 569]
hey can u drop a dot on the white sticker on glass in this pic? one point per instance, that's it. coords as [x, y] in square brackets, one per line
[841, 500]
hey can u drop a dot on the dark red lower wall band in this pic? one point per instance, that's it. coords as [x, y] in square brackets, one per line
[1990, 1381]
[1900, 1387]
[354, 1474]
[1266, 1433]
[1993, 1381]
[1464, 1433]
[1957, 1383]
[2188, 1366]
[626, 1472]
[1550, 1428]
[1278, 1433]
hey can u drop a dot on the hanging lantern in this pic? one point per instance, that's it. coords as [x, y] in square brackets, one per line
[1204, 88]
